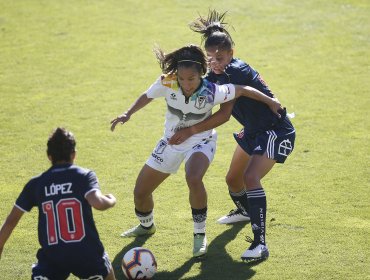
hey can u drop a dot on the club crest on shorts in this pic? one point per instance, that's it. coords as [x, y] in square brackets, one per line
[285, 148]
[160, 147]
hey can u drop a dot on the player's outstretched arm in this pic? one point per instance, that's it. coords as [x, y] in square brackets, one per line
[253, 93]
[100, 201]
[215, 120]
[8, 226]
[141, 102]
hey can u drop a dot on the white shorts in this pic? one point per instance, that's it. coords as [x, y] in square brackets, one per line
[168, 158]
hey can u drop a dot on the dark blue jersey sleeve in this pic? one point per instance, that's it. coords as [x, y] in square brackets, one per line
[92, 183]
[26, 199]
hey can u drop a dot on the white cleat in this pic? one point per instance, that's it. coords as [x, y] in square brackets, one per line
[255, 253]
[234, 216]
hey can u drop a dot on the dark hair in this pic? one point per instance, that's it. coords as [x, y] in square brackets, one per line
[61, 144]
[188, 56]
[213, 30]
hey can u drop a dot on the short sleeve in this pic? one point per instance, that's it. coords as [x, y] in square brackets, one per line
[224, 93]
[26, 199]
[157, 89]
[92, 183]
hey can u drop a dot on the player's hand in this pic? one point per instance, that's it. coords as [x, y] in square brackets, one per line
[275, 107]
[180, 136]
[120, 119]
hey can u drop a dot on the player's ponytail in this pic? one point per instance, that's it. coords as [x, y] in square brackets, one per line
[213, 30]
[188, 56]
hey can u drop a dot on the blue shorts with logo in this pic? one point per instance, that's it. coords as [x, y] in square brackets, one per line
[277, 143]
[83, 269]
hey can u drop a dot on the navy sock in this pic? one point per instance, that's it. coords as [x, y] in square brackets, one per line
[241, 200]
[257, 214]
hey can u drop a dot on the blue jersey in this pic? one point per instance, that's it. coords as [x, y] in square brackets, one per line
[255, 116]
[66, 229]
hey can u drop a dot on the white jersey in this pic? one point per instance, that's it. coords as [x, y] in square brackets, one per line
[184, 112]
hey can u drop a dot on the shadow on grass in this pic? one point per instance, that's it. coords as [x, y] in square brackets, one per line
[137, 242]
[217, 264]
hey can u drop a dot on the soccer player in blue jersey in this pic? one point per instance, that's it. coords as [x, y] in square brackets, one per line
[64, 195]
[189, 100]
[264, 140]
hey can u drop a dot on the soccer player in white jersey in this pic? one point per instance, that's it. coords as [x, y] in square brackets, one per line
[190, 100]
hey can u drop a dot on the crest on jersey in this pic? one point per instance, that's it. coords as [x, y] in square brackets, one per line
[200, 102]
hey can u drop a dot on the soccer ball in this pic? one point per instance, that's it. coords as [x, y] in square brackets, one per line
[139, 263]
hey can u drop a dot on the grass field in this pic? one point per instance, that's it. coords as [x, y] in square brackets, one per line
[80, 63]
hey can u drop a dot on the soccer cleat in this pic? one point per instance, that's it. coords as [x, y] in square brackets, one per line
[200, 245]
[234, 216]
[139, 231]
[256, 252]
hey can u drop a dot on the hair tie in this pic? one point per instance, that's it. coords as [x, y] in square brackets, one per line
[189, 60]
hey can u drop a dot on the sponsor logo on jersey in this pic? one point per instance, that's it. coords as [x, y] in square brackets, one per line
[227, 93]
[258, 148]
[173, 96]
[285, 148]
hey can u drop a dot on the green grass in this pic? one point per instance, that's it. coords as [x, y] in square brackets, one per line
[80, 63]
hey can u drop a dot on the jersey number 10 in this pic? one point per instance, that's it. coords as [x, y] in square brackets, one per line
[64, 221]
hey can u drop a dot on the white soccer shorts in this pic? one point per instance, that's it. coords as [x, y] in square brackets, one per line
[168, 158]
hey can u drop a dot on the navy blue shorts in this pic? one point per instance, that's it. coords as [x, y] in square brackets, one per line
[83, 269]
[276, 143]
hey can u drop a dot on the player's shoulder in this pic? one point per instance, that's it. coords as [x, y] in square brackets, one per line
[170, 81]
[208, 86]
[237, 64]
[35, 179]
[83, 171]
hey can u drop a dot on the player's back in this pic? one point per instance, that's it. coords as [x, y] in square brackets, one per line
[66, 229]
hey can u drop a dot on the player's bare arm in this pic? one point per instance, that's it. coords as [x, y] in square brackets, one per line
[141, 102]
[99, 201]
[8, 226]
[253, 93]
[215, 120]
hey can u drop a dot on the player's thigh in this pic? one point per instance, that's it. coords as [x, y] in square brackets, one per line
[237, 167]
[196, 166]
[148, 180]
[258, 167]
[198, 160]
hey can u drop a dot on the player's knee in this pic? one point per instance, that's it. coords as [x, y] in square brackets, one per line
[193, 180]
[140, 193]
[251, 180]
[234, 183]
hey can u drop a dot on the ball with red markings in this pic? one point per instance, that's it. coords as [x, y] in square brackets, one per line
[139, 263]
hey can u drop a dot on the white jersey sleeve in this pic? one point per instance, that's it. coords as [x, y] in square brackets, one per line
[224, 93]
[157, 89]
